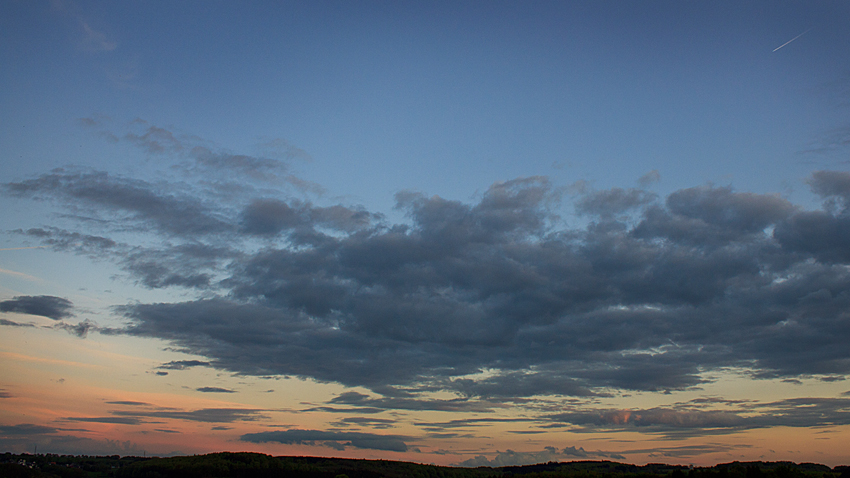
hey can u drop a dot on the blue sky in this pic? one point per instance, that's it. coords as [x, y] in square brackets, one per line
[419, 96]
[302, 191]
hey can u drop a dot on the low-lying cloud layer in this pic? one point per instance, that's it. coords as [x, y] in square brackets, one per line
[549, 453]
[497, 299]
[332, 439]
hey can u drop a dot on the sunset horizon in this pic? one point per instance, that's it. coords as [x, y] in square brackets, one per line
[454, 233]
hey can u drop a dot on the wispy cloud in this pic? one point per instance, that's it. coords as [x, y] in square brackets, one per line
[204, 415]
[114, 420]
[332, 439]
[19, 275]
[88, 37]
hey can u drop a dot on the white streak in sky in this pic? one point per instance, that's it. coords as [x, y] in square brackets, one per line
[796, 37]
[19, 274]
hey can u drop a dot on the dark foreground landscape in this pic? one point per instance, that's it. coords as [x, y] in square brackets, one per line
[250, 465]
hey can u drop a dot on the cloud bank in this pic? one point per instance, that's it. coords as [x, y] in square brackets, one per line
[497, 299]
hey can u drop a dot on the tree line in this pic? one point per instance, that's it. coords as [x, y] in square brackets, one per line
[257, 465]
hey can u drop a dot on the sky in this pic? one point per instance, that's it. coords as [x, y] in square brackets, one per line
[463, 233]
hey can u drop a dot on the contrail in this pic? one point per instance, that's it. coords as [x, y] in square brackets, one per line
[22, 248]
[796, 37]
[19, 274]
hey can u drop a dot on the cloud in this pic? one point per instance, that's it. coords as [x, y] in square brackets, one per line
[94, 40]
[10, 323]
[685, 451]
[183, 364]
[470, 422]
[89, 39]
[493, 300]
[214, 390]
[571, 453]
[271, 217]
[25, 429]
[204, 415]
[377, 423]
[199, 157]
[451, 405]
[690, 419]
[335, 440]
[63, 240]
[20, 439]
[143, 412]
[80, 330]
[649, 178]
[134, 202]
[829, 184]
[114, 420]
[611, 202]
[55, 308]
[548, 454]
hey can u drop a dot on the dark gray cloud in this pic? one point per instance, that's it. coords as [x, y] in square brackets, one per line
[332, 439]
[204, 415]
[143, 412]
[62, 240]
[115, 420]
[693, 419]
[136, 203]
[494, 300]
[25, 429]
[716, 217]
[214, 390]
[470, 422]
[377, 423]
[10, 323]
[80, 330]
[361, 401]
[831, 184]
[273, 216]
[183, 364]
[21, 438]
[55, 308]
[5, 394]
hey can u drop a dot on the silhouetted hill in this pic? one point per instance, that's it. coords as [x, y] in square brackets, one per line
[256, 465]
